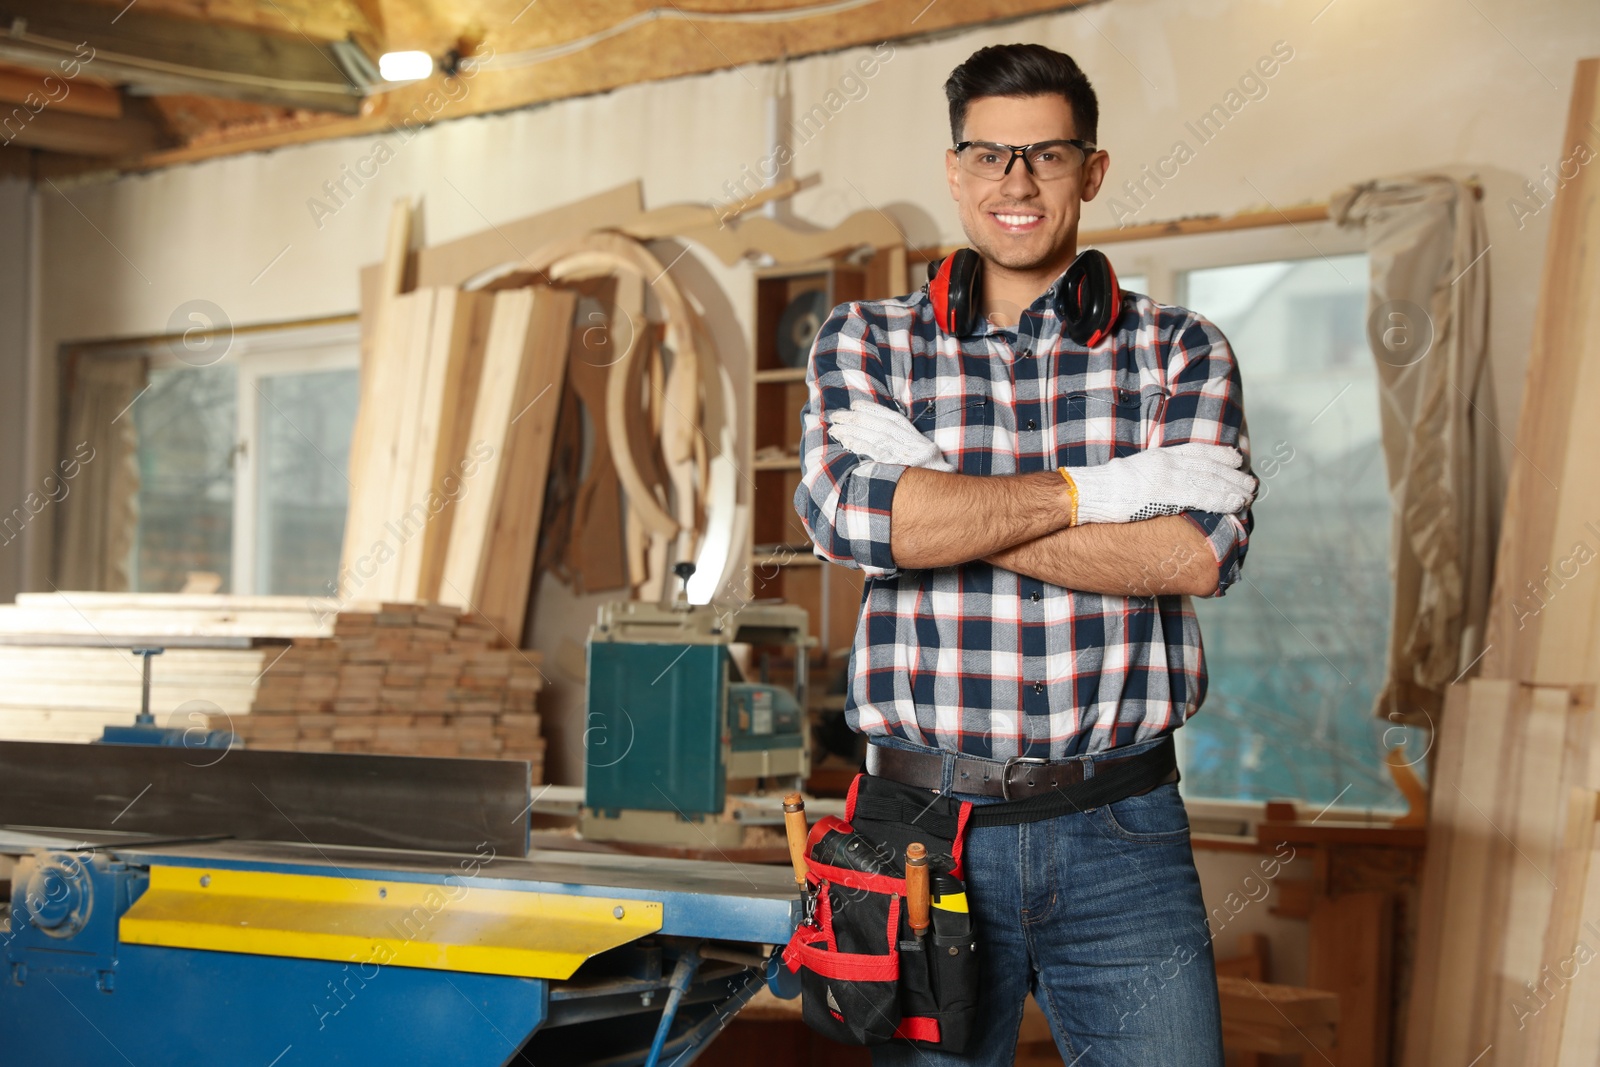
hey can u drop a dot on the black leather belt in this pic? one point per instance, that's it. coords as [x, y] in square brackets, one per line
[1017, 778]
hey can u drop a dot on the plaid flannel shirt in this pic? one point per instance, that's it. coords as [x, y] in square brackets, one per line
[975, 658]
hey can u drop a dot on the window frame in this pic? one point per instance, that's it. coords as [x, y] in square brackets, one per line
[306, 351]
[255, 353]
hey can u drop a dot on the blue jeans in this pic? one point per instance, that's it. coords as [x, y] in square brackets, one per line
[1098, 914]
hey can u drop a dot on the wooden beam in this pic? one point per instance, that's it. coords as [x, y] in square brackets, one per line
[77, 96]
[320, 20]
[164, 54]
[650, 50]
[79, 135]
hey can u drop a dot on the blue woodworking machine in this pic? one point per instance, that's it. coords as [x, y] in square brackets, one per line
[282, 909]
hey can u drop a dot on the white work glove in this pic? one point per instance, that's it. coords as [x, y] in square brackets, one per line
[1163, 481]
[882, 433]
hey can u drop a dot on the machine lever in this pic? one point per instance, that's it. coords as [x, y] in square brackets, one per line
[917, 887]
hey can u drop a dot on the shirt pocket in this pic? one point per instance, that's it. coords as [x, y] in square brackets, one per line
[1100, 423]
[961, 424]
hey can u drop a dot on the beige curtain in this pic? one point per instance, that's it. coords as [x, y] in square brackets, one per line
[100, 513]
[1428, 309]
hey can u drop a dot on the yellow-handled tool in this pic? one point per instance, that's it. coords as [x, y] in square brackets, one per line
[794, 827]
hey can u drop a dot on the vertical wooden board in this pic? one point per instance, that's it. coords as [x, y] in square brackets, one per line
[1535, 824]
[1580, 1030]
[1554, 429]
[1548, 1018]
[409, 516]
[404, 515]
[461, 330]
[519, 506]
[386, 405]
[491, 415]
[1473, 849]
[1350, 939]
[374, 372]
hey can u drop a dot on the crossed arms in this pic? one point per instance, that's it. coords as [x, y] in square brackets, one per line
[1019, 522]
[878, 495]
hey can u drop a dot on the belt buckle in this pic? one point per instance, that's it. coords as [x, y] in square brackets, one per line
[1005, 772]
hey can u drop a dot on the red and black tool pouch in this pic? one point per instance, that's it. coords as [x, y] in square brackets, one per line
[865, 977]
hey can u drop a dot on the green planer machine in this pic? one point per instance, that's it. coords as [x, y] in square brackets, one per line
[671, 719]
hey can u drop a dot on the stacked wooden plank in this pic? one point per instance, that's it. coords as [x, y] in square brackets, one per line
[398, 678]
[72, 694]
[421, 680]
[1510, 917]
[451, 449]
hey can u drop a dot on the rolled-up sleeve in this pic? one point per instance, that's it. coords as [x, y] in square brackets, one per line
[844, 499]
[1205, 404]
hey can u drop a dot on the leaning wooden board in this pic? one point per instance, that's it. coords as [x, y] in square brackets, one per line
[403, 519]
[388, 281]
[1551, 503]
[1563, 1019]
[489, 563]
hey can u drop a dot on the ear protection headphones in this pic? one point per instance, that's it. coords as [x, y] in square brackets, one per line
[1090, 298]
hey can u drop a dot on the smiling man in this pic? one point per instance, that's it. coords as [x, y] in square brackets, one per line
[1033, 515]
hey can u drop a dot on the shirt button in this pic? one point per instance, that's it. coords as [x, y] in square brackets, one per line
[1038, 687]
[1023, 353]
[1036, 596]
[1032, 425]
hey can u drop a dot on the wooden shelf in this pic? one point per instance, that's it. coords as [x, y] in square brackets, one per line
[780, 375]
[783, 463]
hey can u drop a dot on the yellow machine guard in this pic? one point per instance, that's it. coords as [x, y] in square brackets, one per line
[453, 927]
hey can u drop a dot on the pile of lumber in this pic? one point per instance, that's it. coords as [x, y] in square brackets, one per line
[308, 675]
[460, 393]
[418, 680]
[1506, 969]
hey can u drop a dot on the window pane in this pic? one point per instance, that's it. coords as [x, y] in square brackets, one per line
[1296, 650]
[187, 424]
[305, 424]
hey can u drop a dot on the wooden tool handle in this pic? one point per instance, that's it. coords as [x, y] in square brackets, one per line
[917, 887]
[794, 826]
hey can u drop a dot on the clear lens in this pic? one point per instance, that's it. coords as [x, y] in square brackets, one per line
[1053, 159]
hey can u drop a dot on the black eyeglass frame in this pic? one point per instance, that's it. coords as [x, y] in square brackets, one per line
[1020, 151]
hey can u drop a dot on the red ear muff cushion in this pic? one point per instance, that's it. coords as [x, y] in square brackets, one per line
[1091, 300]
[954, 288]
[939, 292]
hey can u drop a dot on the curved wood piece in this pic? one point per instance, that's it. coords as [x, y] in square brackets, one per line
[760, 235]
[605, 253]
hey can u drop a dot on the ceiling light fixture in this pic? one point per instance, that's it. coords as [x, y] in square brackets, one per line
[405, 66]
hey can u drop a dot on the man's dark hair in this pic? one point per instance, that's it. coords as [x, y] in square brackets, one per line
[1021, 70]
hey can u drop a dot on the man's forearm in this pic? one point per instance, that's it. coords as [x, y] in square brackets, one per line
[940, 520]
[1169, 554]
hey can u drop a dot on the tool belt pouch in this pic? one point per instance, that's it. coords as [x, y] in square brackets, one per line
[865, 977]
